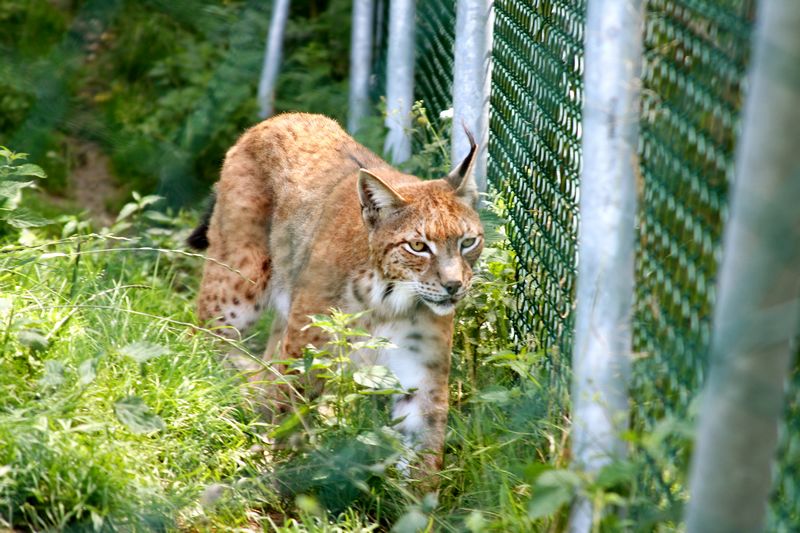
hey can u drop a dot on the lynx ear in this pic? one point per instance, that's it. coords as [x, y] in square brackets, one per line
[377, 198]
[461, 178]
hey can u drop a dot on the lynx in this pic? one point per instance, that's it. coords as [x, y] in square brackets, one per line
[306, 219]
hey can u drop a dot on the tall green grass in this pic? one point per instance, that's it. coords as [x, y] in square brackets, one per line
[116, 412]
[72, 315]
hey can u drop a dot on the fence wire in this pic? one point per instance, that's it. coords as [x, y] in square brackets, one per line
[433, 72]
[534, 156]
[695, 64]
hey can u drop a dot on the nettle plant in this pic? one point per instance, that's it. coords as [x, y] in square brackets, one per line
[16, 176]
[342, 384]
[338, 441]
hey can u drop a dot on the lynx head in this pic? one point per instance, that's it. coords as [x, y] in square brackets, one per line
[424, 237]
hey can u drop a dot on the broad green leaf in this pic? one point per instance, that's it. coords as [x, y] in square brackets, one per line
[158, 216]
[23, 218]
[547, 500]
[475, 522]
[10, 189]
[126, 211]
[376, 377]
[495, 395]
[149, 200]
[559, 478]
[32, 339]
[370, 438]
[53, 374]
[29, 169]
[412, 521]
[289, 423]
[97, 520]
[137, 416]
[616, 473]
[381, 392]
[87, 371]
[430, 502]
[309, 504]
[142, 351]
[534, 470]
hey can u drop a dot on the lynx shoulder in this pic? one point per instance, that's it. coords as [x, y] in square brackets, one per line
[306, 219]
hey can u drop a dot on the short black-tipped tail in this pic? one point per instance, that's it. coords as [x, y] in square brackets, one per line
[199, 237]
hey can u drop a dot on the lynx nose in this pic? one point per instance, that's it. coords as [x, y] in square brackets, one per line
[451, 287]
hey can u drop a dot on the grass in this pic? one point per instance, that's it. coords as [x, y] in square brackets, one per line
[68, 315]
[118, 413]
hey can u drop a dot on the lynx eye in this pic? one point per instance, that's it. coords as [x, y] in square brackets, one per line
[418, 246]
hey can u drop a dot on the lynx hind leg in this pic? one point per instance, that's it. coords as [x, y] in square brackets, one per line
[234, 290]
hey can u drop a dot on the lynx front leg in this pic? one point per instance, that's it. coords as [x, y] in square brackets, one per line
[421, 363]
[423, 415]
[292, 336]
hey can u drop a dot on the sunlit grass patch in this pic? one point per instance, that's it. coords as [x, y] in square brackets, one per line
[95, 430]
[119, 412]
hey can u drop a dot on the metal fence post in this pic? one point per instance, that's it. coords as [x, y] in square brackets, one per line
[757, 311]
[472, 81]
[360, 63]
[602, 352]
[272, 58]
[400, 79]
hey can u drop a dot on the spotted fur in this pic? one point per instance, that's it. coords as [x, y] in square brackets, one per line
[306, 219]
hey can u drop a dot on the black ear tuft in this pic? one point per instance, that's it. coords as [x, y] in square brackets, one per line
[461, 178]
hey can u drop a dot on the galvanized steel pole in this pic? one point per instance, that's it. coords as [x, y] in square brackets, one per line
[360, 62]
[472, 81]
[272, 58]
[757, 312]
[400, 79]
[602, 351]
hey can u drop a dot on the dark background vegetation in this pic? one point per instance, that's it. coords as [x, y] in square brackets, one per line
[160, 88]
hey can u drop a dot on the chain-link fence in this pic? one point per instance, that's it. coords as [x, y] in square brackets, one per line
[695, 62]
[534, 152]
[433, 72]
[694, 65]
[534, 160]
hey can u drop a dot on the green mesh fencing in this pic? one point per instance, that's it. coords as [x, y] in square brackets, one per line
[534, 156]
[694, 64]
[433, 69]
[695, 58]
[784, 513]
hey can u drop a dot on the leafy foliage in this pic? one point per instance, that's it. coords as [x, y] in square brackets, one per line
[14, 178]
[163, 87]
[315, 69]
